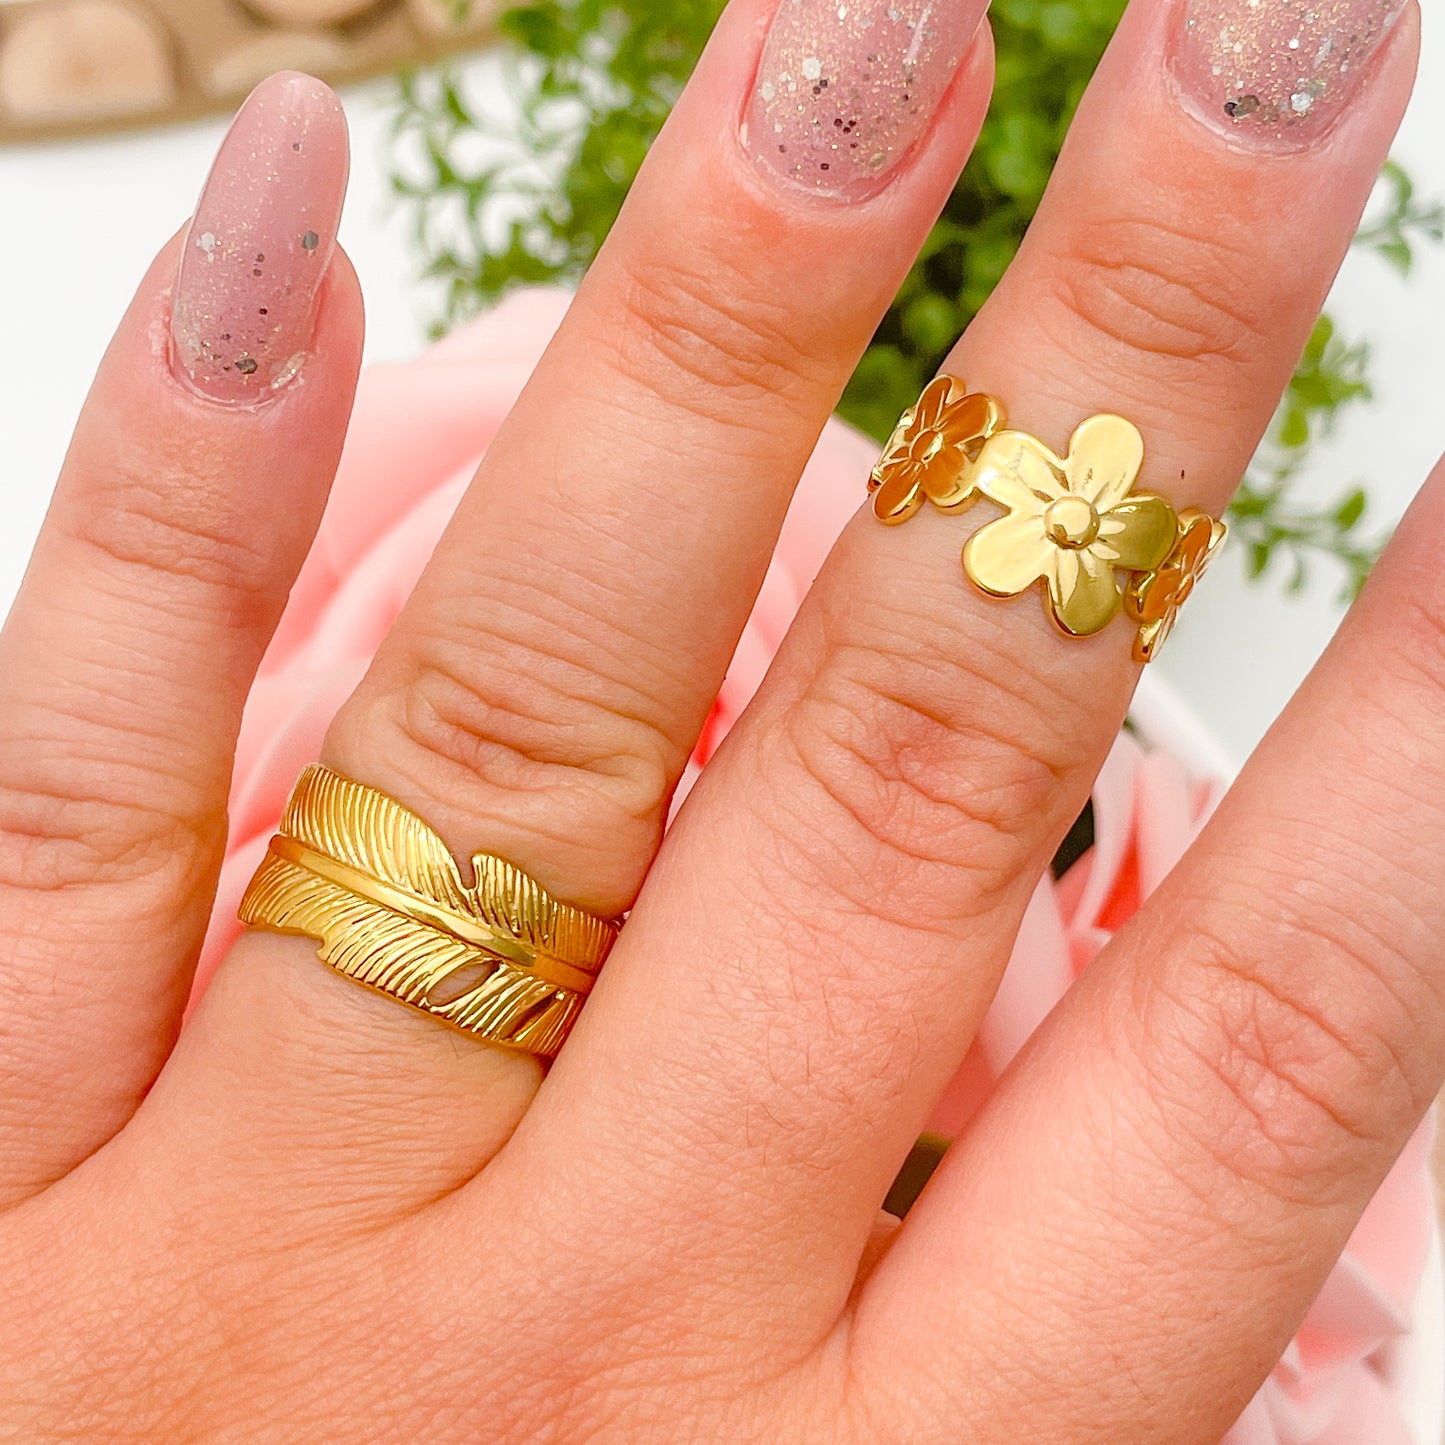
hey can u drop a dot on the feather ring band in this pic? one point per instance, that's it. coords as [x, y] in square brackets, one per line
[378, 889]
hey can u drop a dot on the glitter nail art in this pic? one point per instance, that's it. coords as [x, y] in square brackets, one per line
[846, 88]
[1279, 70]
[262, 237]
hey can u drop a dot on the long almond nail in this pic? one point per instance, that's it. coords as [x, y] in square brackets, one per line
[1278, 72]
[846, 88]
[262, 237]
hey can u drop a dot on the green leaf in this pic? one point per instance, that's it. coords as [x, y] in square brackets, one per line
[886, 383]
[1398, 253]
[1294, 428]
[931, 323]
[1397, 225]
[534, 27]
[1063, 28]
[1349, 512]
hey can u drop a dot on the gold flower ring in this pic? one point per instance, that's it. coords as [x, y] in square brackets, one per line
[1074, 523]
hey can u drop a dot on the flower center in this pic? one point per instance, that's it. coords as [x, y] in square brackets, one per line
[1071, 522]
[926, 446]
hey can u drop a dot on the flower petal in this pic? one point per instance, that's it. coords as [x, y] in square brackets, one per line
[970, 418]
[929, 407]
[1195, 535]
[1149, 597]
[898, 495]
[1105, 455]
[895, 453]
[1083, 592]
[1008, 556]
[1138, 533]
[945, 480]
[1152, 637]
[1018, 472]
[1200, 538]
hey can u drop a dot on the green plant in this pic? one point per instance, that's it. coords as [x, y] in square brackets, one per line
[591, 82]
[1403, 222]
[1267, 516]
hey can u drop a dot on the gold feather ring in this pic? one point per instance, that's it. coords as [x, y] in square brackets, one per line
[378, 889]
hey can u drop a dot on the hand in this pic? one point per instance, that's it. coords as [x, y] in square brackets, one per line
[317, 1215]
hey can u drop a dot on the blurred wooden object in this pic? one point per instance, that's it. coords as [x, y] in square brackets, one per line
[71, 66]
[85, 59]
[310, 12]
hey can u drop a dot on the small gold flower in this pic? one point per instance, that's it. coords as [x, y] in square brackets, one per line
[1072, 523]
[1154, 600]
[928, 453]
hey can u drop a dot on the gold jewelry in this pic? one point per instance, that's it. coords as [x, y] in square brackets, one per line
[1073, 523]
[380, 891]
[1153, 599]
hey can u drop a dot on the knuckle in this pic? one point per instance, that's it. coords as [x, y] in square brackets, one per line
[922, 777]
[56, 840]
[511, 723]
[504, 733]
[194, 533]
[1287, 1075]
[699, 341]
[1160, 291]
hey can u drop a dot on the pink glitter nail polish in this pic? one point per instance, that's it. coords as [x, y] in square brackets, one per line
[1278, 72]
[846, 88]
[262, 237]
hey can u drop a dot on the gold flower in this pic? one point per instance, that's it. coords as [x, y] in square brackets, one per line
[928, 453]
[1072, 523]
[1154, 600]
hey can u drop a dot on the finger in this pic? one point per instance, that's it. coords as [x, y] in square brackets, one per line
[548, 682]
[192, 489]
[862, 852]
[1221, 1097]
[543, 689]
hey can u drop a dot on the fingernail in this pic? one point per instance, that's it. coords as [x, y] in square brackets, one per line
[258, 248]
[846, 88]
[1278, 72]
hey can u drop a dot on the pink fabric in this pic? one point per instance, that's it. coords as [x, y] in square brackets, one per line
[420, 428]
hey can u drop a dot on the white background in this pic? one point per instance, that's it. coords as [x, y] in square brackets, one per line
[80, 221]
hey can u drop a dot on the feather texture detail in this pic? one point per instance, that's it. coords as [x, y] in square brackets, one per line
[384, 897]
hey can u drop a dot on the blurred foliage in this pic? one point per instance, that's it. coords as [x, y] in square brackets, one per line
[1267, 516]
[1404, 222]
[526, 193]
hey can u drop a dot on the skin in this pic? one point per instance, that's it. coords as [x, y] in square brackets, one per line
[316, 1215]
